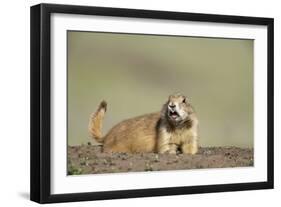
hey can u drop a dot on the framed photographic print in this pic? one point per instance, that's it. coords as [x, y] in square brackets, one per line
[133, 103]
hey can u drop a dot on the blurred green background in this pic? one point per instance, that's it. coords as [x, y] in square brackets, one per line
[135, 74]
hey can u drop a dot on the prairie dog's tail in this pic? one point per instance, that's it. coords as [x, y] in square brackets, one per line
[95, 122]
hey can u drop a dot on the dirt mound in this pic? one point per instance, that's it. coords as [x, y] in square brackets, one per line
[89, 159]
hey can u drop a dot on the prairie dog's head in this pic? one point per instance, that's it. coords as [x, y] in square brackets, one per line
[177, 109]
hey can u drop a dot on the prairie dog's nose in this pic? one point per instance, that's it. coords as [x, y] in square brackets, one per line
[172, 105]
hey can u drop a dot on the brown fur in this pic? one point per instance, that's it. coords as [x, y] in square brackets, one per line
[95, 122]
[155, 132]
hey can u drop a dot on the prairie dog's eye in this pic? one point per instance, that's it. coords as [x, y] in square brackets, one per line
[184, 100]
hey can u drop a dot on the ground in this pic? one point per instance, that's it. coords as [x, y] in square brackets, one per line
[89, 159]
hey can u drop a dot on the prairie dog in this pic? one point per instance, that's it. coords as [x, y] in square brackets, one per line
[174, 128]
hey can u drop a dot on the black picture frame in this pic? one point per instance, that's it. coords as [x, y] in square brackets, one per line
[41, 99]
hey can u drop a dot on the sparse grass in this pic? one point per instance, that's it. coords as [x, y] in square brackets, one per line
[74, 171]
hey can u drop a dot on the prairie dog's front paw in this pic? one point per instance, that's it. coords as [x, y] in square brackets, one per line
[191, 148]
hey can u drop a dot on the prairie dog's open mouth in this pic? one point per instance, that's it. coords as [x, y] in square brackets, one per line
[173, 114]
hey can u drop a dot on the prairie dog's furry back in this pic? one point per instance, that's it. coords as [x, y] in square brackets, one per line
[170, 130]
